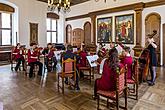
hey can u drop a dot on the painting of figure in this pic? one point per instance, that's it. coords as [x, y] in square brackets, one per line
[104, 30]
[124, 28]
[33, 33]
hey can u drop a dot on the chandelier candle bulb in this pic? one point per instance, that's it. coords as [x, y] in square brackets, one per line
[59, 5]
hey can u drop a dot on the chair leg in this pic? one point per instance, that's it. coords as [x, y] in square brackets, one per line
[126, 98]
[11, 66]
[62, 85]
[90, 75]
[137, 91]
[117, 103]
[98, 100]
[58, 86]
[107, 103]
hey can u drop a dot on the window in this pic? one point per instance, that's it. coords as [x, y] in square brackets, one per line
[5, 29]
[52, 30]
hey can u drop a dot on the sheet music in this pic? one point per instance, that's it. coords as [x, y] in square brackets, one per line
[102, 65]
[74, 50]
[92, 59]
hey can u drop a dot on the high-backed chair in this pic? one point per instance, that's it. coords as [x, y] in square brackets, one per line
[88, 69]
[133, 90]
[121, 89]
[13, 61]
[68, 71]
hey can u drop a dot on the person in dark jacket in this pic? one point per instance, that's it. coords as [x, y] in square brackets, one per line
[153, 60]
[69, 54]
[49, 56]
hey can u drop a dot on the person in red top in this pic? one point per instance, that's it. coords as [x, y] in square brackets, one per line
[108, 78]
[127, 60]
[33, 59]
[83, 60]
[18, 53]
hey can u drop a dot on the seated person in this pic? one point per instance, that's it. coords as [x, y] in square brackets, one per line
[107, 80]
[18, 53]
[69, 54]
[82, 55]
[58, 53]
[33, 58]
[49, 56]
[127, 60]
[83, 60]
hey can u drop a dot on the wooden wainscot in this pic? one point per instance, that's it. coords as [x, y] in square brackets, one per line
[5, 53]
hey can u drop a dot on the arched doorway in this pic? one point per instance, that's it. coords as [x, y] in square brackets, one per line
[68, 34]
[87, 33]
[153, 22]
[77, 37]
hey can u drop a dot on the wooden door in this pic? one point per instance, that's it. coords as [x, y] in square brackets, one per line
[77, 37]
[87, 33]
[164, 44]
[68, 34]
[152, 22]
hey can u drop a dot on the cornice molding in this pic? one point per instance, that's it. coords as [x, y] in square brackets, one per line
[136, 7]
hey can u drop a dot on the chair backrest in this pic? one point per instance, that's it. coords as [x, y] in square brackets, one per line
[68, 65]
[12, 55]
[121, 82]
[135, 70]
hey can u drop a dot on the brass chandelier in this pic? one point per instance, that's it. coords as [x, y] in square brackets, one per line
[59, 5]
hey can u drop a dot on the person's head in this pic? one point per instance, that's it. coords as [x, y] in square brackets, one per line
[84, 49]
[69, 48]
[126, 51]
[18, 45]
[33, 45]
[113, 59]
[112, 45]
[49, 45]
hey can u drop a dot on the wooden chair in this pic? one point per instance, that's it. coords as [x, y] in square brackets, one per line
[50, 64]
[121, 89]
[134, 81]
[68, 71]
[27, 64]
[89, 69]
[13, 61]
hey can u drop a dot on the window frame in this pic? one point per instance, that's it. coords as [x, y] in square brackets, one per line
[52, 31]
[1, 29]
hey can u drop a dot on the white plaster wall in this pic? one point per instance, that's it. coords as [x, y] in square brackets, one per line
[35, 12]
[78, 23]
[159, 10]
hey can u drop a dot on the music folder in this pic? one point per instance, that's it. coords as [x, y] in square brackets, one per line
[92, 60]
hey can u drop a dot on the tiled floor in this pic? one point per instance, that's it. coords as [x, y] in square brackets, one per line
[18, 92]
[154, 98]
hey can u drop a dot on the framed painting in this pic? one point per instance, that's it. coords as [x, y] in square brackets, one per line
[104, 30]
[124, 28]
[33, 33]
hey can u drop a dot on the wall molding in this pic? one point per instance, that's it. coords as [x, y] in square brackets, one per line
[135, 6]
[6, 8]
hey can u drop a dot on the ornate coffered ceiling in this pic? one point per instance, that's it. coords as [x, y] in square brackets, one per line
[73, 2]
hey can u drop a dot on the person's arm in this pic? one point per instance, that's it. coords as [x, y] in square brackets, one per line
[153, 44]
[151, 41]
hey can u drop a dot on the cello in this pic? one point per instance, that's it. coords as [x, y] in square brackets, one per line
[144, 61]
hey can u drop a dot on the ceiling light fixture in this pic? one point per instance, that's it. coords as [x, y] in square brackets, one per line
[59, 5]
